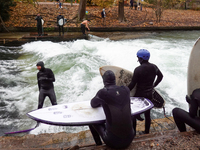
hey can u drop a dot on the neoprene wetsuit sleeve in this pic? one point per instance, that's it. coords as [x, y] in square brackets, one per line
[159, 77]
[52, 78]
[193, 108]
[96, 101]
[133, 81]
[38, 81]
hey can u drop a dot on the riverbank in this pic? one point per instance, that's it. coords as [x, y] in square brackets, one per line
[164, 135]
[23, 15]
[16, 38]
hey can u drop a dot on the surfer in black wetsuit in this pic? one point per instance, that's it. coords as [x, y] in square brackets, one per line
[45, 79]
[60, 27]
[182, 117]
[143, 77]
[118, 131]
[39, 24]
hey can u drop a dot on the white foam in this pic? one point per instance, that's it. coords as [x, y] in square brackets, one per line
[76, 68]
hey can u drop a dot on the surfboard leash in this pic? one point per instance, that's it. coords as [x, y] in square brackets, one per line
[166, 115]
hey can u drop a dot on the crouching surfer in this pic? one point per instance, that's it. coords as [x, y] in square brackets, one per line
[85, 26]
[45, 78]
[190, 118]
[118, 131]
[144, 77]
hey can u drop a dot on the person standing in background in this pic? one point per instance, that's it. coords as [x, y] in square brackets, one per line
[39, 24]
[131, 4]
[84, 26]
[103, 15]
[60, 23]
[135, 4]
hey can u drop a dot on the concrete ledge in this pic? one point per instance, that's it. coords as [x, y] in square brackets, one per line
[105, 29]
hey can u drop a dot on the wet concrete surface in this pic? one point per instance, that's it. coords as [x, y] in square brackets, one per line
[19, 38]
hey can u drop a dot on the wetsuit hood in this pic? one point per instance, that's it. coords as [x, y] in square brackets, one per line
[41, 63]
[109, 78]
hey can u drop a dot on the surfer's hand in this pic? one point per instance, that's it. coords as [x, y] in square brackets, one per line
[188, 99]
[43, 78]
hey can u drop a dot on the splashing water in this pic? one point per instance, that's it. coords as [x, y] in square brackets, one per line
[76, 68]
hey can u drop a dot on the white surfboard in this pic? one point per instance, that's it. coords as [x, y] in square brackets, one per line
[61, 22]
[81, 113]
[124, 77]
[193, 74]
[42, 21]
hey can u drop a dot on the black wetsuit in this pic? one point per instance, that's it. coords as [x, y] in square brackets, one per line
[39, 24]
[83, 28]
[144, 76]
[60, 27]
[45, 79]
[182, 117]
[103, 14]
[115, 100]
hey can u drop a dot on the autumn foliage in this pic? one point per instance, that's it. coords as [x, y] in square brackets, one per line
[103, 3]
[23, 15]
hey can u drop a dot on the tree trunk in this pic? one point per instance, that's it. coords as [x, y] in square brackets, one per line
[71, 2]
[121, 11]
[81, 9]
[2, 22]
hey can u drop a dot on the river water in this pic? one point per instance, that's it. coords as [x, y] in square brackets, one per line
[76, 68]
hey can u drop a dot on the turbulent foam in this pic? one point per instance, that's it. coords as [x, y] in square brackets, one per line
[76, 68]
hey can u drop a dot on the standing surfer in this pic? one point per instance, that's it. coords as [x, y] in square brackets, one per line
[181, 117]
[118, 131]
[60, 22]
[143, 77]
[84, 26]
[39, 24]
[45, 79]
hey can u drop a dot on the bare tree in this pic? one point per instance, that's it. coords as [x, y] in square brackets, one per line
[158, 10]
[121, 10]
[81, 9]
[3, 24]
